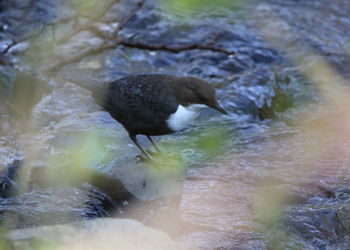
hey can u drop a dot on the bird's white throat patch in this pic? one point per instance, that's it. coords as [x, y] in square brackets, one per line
[184, 116]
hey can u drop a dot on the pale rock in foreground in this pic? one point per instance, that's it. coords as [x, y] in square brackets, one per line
[101, 234]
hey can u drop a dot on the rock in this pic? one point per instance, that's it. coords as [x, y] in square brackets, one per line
[323, 220]
[316, 223]
[343, 214]
[7, 78]
[99, 139]
[9, 163]
[96, 142]
[72, 145]
[62, 102]
[90, 65]
[81, 141]
[105, 29]
[19, 47]
[93, 148]
[147, 182]
[22, 4]
[9, 155]
[101, 234]
[78, 43]
[56, 204]
[59, 162]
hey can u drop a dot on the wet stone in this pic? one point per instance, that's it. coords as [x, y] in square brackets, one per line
[44, 206]
[62, 102]
[9, 164]
[79, 42]
[7, 78]
[343, 214]
[323, 221]
[66, 146]
[262, 58]
[232, 66]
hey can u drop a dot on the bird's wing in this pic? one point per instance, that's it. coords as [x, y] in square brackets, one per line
[140, 100]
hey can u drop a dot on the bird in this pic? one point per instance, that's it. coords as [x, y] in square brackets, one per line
[156, 104]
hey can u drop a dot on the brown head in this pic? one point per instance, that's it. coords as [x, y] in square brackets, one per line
[191, 90]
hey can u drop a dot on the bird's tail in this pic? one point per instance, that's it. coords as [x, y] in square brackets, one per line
[96, 86]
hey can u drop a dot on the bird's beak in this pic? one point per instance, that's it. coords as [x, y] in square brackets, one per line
[219, 108]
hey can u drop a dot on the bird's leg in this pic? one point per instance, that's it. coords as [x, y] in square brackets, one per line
[153, 143]
[133, 138]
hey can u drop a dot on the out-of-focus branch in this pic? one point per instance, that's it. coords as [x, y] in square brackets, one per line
[133, 13]
[175, 49]
[76, 57]
[87, 26]
[114, 41]
[23, 39]
[106, 45]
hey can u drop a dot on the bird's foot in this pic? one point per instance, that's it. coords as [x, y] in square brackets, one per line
[142, 158]
[150, 157]
[147, 156]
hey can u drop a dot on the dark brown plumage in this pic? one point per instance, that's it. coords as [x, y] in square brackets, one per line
[146, 104]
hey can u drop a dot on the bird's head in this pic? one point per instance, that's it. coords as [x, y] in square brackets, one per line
[197, 91]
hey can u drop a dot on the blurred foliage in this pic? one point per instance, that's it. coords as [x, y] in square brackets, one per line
[86, 6]
[291, 90]
[42, 47]
[27, 91]
[75, 163]
[80, 154]
[205, 142]
[208, 142]
[280, 102]
[48, 43]
[165, 163]
[86, 150]
[270, 215]
[213, 141]
[5, 244]
[318, 124]
[89, 8]
[47, 242]
[191, 7]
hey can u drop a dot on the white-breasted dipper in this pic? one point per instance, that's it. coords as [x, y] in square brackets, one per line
[156, 104]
